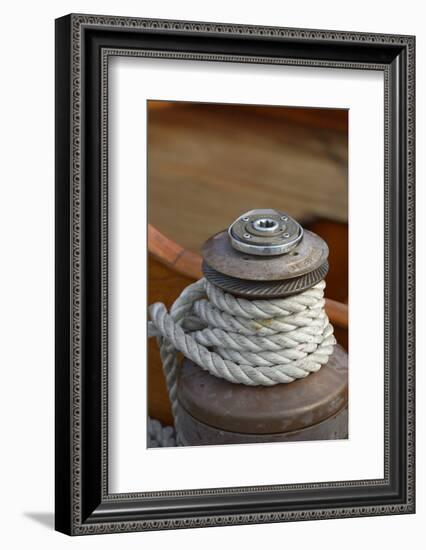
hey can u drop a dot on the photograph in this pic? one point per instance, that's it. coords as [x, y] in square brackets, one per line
[247, 273]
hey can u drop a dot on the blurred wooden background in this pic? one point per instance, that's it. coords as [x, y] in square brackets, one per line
[208, 163]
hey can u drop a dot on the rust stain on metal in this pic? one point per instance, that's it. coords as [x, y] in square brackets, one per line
[265, 410]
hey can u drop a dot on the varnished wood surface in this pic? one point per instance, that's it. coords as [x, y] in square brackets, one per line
[207, 164]
[332, 119]
[336, 235]
[173, 255]
[164, 285]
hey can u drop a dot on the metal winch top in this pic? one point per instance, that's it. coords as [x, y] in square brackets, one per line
[265, 233]
[265, 254]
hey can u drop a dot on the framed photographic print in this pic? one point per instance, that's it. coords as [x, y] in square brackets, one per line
[234, 274]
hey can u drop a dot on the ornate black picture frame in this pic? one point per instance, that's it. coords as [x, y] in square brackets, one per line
[84, 44]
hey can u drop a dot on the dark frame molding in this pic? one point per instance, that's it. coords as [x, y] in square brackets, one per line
[84, 43]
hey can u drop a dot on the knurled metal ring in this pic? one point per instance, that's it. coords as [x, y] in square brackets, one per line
[264, 289]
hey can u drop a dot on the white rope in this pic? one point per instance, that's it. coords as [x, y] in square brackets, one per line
[159, 435]
[252, 342]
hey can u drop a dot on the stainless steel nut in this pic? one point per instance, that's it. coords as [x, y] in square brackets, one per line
[269, 231]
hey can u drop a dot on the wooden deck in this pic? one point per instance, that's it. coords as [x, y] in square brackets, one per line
[209, 163]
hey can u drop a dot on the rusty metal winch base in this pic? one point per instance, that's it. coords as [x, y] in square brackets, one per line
[213, 411]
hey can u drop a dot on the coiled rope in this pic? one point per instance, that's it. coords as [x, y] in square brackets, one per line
[159, 435]
[252, 342]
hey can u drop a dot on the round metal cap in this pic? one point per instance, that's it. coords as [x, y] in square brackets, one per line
[265, 232]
